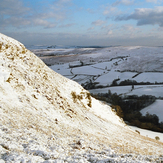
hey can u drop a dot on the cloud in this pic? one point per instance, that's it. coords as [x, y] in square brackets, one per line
[62, 1]
[160, 29]
[13, 7]
[67, 25]
[90, 29]
[91, 11]
[60, 9]
[123, 2]
[154, 1]
[111, 11]
[14, 13]
[131, 31]
[110, 32]
[98, 22]
[128, 27]
[44, 23]
[107, 37]
[145, 16]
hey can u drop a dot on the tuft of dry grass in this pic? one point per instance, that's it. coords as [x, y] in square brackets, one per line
[1, 46]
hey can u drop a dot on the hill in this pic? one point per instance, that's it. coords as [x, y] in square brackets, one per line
[46, 117]
[126, 71]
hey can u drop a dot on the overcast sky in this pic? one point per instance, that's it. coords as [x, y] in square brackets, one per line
[83, 22]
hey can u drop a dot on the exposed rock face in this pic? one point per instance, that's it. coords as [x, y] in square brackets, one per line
[45, 116]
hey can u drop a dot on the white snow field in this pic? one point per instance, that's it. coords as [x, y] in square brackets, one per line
[139, 90]
[45, 117]
[155, 108]
[141, 64]
[147, 133]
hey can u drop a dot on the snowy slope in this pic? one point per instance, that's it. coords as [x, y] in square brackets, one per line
[47, 117]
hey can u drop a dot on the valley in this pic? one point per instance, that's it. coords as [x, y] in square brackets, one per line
[124, 71]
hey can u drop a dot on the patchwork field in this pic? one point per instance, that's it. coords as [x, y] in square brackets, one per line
[122, 70]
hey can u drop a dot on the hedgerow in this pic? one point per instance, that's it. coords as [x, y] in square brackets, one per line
[129, 108]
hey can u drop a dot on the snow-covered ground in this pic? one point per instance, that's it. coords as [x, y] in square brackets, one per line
[139, 90]
[155, 108]
[46, 117]
[147, 133]
[141, 64]
[153, 77]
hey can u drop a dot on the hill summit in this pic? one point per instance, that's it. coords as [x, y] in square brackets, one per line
[46, 117]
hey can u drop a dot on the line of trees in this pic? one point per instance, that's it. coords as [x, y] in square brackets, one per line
[129, 108]
[131, 82]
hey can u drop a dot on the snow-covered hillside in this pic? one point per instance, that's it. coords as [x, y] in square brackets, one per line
[45, 117]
